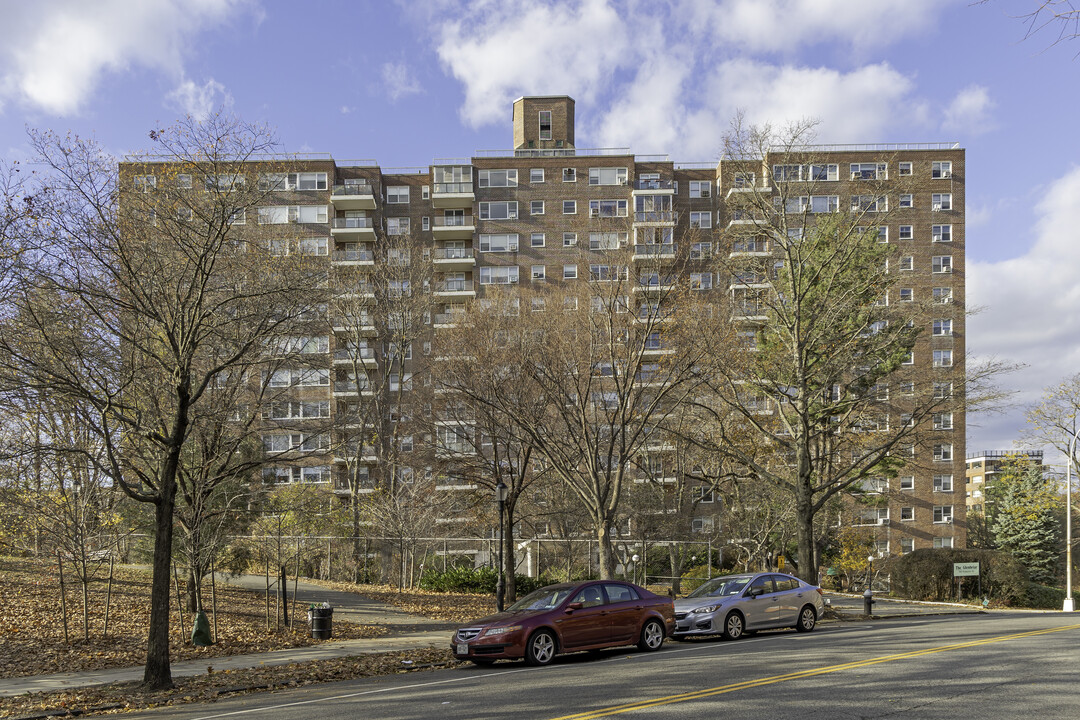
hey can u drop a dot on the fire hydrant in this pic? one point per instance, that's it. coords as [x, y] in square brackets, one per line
[868, 602]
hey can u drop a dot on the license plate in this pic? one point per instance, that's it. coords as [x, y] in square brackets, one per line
[462, 648]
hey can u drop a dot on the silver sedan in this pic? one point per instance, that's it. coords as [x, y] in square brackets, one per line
[732, 605]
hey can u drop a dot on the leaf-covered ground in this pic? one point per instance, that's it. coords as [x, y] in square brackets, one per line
[32, 627]
[455, 607]
[123, 697]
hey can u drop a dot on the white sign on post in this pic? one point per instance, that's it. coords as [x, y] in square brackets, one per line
[970, 569]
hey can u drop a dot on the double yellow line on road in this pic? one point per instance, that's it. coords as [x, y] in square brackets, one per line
[709, 692]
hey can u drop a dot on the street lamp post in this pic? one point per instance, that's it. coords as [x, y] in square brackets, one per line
[1068, 604]
[500, 588]
[635, 558]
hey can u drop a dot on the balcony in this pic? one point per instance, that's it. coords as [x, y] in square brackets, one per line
[656, 217]
[362, 325]
[448, 320]
[452, 258]
[458, 227]
[742, 218]
[353, 257]
[654, 251]
[353, 228]
[655, 285]
[654, 187]
[452, 195]
[347, 356]
[746, 189]
[348, 388]
[749, 248]
[353, 197]
[362, 292]
[347, 453]
[455, 289]
[749, 312]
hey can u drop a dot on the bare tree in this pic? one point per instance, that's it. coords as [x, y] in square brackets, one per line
[146, 290]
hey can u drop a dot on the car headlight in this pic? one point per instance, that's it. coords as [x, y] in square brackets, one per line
[707, 609]
[502, 630]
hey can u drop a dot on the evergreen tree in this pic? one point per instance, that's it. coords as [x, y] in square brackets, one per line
[1025, 520]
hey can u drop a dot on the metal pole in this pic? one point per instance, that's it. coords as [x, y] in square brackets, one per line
[1067, 606]
[501, 593]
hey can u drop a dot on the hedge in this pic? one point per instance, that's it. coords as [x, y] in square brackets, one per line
[483, 580]
[928, 575]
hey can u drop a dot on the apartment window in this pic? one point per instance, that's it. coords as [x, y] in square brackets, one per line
[537, 240]
[536, 207]
[903, 169]
[145, 183]
[943, 452]
[907, 388]
[906, 294]
[910, 359]
[397, 226]
[943, 513]
[397, 194]
[313, 246]
[824, 203]
[700, 251]
[823, 172]
[498, 178]
[942, 390]
[942, 264]
[702, 495]
[868, 203]
[943, 358]
[183, 182]
[907, 482]
[569, 239]
[539, 272]
[569, 174]
[869, 171]
[280, 214]
[943, 542]
[701, 219]
[943, 421]
[907, 232]
[700, 188]
[536, 175]
[907, 545]
[701, 281]
[907, 262]
[405, 443]
[907, 201]
[941, 233]
[306, 181]
[943, 483]
[545, 124]
[607, 176]
[609, 208]
[907, 514]
[940, 169]
[425, 192]
[308, 378]
[569, 207]
[943, 295]
[941, 201]
[223, 181]
[883, 234]
[425, 223]
[499, 275]
[607, 273]
[942, 327]
[607, 240]
[498, 210]
[569, 272]
[701, 524]
[500, 242]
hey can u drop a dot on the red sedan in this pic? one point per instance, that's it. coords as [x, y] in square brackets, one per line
[565, 618]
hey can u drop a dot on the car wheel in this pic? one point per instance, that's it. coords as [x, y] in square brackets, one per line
[540, 650]
[734, 626]
[652, 636]
[807, 619]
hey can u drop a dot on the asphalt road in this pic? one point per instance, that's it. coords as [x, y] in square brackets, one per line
[985, 666]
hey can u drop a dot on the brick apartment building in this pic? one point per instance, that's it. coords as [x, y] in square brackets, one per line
[515, 217]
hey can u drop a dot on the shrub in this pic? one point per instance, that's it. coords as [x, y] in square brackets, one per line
[461, 578]
[928, 575]
[1041, 596]
[693, 578]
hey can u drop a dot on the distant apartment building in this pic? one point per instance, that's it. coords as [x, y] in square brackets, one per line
[983, 468]
[515, 217]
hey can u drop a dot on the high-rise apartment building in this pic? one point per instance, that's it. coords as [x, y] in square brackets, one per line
[984, 466]
[520, 217]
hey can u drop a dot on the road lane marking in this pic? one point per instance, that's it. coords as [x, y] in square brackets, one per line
[759, 682]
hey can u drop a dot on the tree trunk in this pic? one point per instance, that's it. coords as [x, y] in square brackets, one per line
[607, 550]
[675, 562]
[157, 674]
[804, 518]
[509, 557]
[357, 551]
[85, 606]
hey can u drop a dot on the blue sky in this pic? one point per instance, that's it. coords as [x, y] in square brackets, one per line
[406, 82]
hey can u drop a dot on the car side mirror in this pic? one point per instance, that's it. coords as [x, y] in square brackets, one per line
[574, 606]
[755, 591]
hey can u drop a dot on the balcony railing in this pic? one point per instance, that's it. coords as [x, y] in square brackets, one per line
[352, 190]
[353, 255]
[352, 222]
[458, 188]
[453, 253]
[344, 386]
[453, 221]
[665, 216]
[654, 185]
[364, 353]
[656, 249]
[454, 286]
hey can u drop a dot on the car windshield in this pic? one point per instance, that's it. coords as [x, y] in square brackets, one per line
[543, 599]
[727, 585]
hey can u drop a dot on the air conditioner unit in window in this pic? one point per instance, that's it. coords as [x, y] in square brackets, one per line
[704, 192]
[937, 207]
[946, 173]
[856, 176]
[947, 519]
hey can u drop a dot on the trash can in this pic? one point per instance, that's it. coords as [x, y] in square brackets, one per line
[322, 622]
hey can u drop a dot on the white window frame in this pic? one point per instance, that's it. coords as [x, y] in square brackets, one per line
[539, 272]
[499, 274]
[700, 188]
[941, 264]
[397, 194]
[940, 202]
[536, 207]
[499, 242]
[569, 239]
[537, 240]
[907, 232]
[701, 220]
[570, 272]
[941, 233]
[941, 169]
[508, 208]
[503, 177]
[569, 207]
[536, 175]
[608, 176]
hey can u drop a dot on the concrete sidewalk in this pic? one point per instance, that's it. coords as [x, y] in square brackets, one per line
[407, 632]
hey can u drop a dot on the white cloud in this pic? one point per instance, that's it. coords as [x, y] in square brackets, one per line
[501, 50]
[969, 111]
[1032, 302]
[199, 101]
[54, 52]
[398, 81]
[785, 26]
